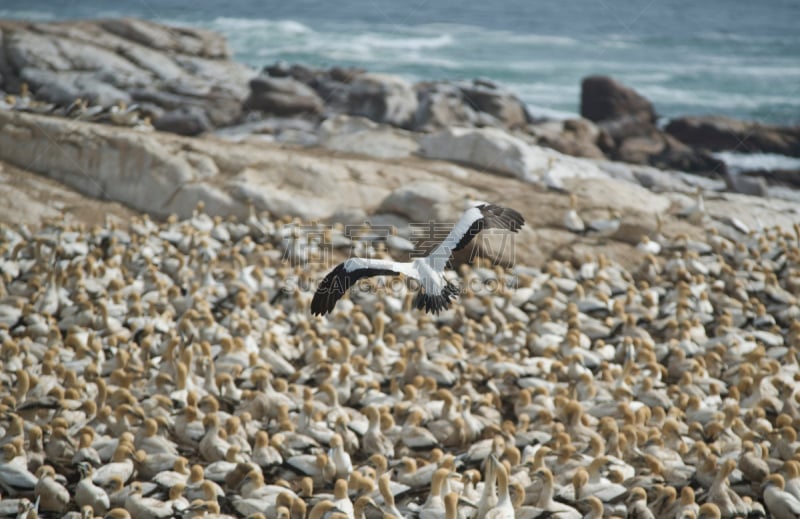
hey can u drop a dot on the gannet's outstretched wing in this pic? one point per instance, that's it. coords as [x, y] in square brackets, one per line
[346, 274]
[473, 221]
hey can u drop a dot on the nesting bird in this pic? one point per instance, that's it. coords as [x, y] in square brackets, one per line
[571, 389]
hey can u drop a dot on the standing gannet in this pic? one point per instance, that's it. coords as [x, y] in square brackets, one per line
[781, 504]
[504, 509]
[572, 220]
[435, 291]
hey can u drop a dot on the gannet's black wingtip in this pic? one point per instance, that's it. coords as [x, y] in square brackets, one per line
[435, 303]
[338, 281]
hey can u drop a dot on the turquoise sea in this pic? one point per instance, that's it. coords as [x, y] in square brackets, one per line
[732, 57]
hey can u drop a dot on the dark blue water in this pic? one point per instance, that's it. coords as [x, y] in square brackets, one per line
[729, 57]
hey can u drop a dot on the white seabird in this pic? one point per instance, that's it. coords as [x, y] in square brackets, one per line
[435, 291]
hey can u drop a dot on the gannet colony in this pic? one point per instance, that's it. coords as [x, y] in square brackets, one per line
[174, 369]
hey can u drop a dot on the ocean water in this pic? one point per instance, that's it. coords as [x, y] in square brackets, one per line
[732, 57]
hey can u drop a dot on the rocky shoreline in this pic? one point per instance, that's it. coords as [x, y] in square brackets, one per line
[293, 139]
[183, 80]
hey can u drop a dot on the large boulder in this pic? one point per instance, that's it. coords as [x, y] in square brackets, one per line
[332, 85]
[486, 148]
[604, 98]
[186, 120]
[383, 98]
[576, 137]
[441, 105]
[106, 62]
[485, 96]
[492, 149]
[627, 122]
[623, 128]
[660, 150]
[477, 103]
[719, 133]
[102, 162]
[283, 96]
